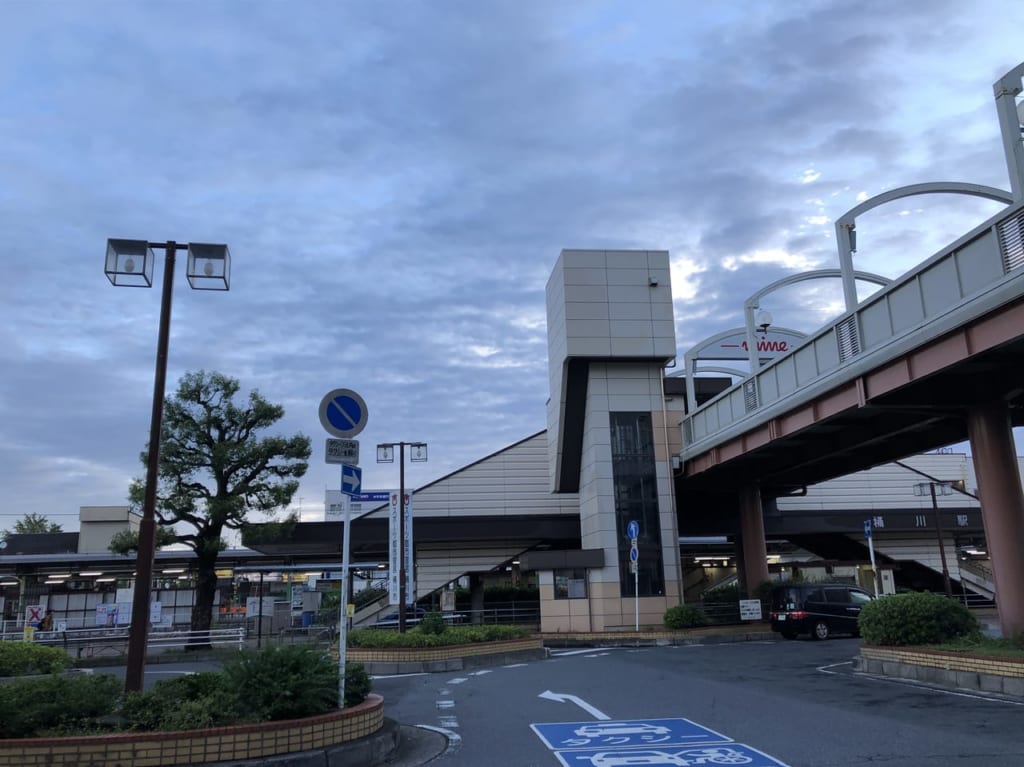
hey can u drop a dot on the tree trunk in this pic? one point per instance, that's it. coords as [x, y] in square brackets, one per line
[202, 609]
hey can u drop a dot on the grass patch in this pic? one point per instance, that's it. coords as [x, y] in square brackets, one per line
[1005, 649]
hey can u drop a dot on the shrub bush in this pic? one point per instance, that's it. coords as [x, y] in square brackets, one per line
[433, 623]
[188, 702]
[283, 682]
[362, 598]
[57, 705]
[454, 635]
[20, 658]
[684, 617]
[731, 594]
[722, 594]
[914, 619]
[357, 684]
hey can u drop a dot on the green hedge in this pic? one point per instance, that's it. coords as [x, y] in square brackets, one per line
[454, 635]
[21, 658]
[278, 682]
[915, 619]
[58, 705]
[684, 617]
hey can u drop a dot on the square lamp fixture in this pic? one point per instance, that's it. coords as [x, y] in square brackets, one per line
[385, 453]
[418, 451]
[129, 263]
[209, 266]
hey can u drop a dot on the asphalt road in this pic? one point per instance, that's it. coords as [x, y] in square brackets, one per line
[791, 703]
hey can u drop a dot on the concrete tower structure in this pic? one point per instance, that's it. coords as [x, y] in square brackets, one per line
[611, 331]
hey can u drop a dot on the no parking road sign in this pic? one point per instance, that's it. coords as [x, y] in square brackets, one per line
[343, 413]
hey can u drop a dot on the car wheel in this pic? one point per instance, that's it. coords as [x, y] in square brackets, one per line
[789, 635]
[820, 630]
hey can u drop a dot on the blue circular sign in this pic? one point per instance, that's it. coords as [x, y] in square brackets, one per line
[343, 413]
[634, 555]
[633, 529]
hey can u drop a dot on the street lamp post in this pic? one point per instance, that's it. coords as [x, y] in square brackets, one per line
[944, 489]
[129, 263]
[386, 454]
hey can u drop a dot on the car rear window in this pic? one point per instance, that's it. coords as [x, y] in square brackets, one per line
[785, 599]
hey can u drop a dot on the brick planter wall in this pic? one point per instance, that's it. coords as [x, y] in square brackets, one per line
[959, 670]
[188, 747]
[447, 658]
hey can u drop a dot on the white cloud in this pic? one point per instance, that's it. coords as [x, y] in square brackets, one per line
[394, 204]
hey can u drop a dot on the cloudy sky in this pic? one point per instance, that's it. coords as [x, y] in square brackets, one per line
[395, 182]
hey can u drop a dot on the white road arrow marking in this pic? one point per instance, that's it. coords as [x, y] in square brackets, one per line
[562, 697]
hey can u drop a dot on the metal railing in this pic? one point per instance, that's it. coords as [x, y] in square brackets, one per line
[99, 642]
[965, 280]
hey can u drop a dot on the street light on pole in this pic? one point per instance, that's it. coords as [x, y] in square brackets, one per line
[129, 263]
[386, 454]
[944, 488]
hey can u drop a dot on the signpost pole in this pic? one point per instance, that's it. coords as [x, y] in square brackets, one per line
[402, 596]
[636, 594]
[871, 551]
[343, 607]
[343, 414]
[633, 532]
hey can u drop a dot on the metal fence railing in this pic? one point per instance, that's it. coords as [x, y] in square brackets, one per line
[99, 642]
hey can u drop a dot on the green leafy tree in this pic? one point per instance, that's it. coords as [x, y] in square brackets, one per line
[33, 523]
[127, 541]
[216, 469]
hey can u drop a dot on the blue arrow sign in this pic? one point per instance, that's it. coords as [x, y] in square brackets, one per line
[351, 479]
[867, 528]
[633, 529]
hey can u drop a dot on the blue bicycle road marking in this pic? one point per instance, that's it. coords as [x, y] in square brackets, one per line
[625, 733]
[670, 756]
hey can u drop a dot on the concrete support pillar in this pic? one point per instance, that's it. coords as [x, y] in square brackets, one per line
[1002, 508]
[754, 569]
[476, 598]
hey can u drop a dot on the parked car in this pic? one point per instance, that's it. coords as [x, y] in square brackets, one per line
[818, 609]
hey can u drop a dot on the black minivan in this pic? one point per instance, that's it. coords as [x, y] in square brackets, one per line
[818, 609]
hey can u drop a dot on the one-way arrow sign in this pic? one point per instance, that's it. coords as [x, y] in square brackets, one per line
[351, 479]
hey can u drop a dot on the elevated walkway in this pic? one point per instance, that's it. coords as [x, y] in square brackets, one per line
[885, 380]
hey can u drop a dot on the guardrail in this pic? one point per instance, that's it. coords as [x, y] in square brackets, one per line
[969, 278]
[87, 643]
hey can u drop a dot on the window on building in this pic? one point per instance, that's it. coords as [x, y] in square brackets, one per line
[571, 584]
[635, 482]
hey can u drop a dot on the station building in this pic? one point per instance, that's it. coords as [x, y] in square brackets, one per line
[558, 505]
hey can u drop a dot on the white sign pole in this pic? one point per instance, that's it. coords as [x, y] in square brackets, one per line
[634, 561]
[871, 552]
[343, 607]
[636, 596]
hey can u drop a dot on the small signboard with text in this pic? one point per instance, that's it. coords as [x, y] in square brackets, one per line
[750, 610]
